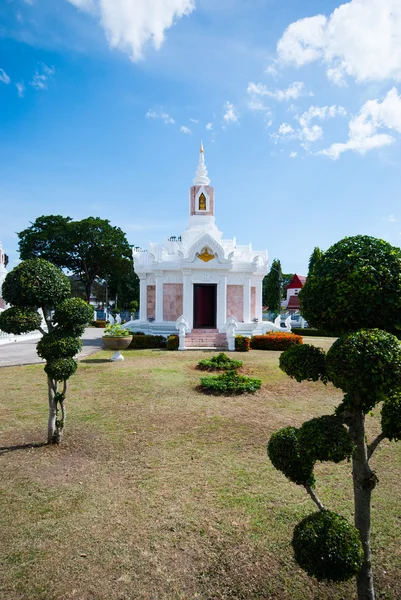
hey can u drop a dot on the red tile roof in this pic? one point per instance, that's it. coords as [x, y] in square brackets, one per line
[298, 281]
[293, 303]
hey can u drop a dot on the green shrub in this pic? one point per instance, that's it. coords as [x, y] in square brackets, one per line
[61, 369]
[99, 324]
[147, 341]
[304, 363]
[242, 343]
[286, 455]
[53, 345]
[221, 362]
[327, 547]
[173, 342]
[19, 320]
[309, 332]
[116, 330]
[35, 283]
[73, 311]
[275, 341]
[391, 417]
[366, 363]
[230, 383]
[326, 439]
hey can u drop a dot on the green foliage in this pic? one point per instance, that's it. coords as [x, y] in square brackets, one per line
[19, 320]
[73, 311]
[275, 341]
[140, 342]
[134, 306]
[34, 283]
[242, 343]
[315, 257]
[61, 369]
[286, 456]
[309, 332]
[221, 362]
[230, 383]
[304, 363]
[327, 547]
[272, 287]
[355, 284]
[391, 416]
[116, 331]
[54, 345]
[99, 324]
[173, 342]
[326, 439]
[365, 364]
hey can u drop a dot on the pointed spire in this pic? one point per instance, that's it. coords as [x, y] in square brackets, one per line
[201, 177]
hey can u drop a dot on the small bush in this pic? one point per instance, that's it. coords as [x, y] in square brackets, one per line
[147, 341]
[230, 383]
[286, 455]
[173, 342]
[61, 369]
[221, 362]
[391, 417]
[242, 343]
[304, 363]
[325, 438]
[327, 547]
[275, 341]
[53, 345]
[100, 324]
[309, 332]
[73, 311]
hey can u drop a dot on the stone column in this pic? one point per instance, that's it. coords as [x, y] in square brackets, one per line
[221, 317]
[188, 300]
[259, 296]
[159, 296]
[247, 299]
[143, 298]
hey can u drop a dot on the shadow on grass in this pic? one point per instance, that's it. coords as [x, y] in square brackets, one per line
[95, 360]
[7, 449]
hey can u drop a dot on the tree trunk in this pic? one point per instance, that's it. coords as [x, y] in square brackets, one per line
[51, 426]
[364, 482]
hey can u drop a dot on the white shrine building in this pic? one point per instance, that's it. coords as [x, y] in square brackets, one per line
[200, 283]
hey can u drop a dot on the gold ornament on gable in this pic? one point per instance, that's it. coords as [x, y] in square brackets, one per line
[206, 255]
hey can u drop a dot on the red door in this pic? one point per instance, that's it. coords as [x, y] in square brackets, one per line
[205, 305]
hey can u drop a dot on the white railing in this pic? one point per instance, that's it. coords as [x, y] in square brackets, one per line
[7, 338]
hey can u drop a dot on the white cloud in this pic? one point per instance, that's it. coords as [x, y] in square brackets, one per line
[308, 133]
[209, 126]
[184, 129]
[42, 76]
[363, 129]
[20, 89]
[360, 39]
[294, 91]
[4, 78]
[132, 24]
[230, 113]
[196, 121]
[160, 114]
[293, 154]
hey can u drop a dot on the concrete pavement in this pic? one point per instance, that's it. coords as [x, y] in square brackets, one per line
[24, 353]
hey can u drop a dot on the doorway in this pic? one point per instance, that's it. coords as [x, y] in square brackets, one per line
[205, 306]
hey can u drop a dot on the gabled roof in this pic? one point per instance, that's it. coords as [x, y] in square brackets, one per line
[298, 281]
[293, 303]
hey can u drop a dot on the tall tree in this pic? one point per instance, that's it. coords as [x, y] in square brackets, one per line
[315, 256]
[91, 248]
[272, 287]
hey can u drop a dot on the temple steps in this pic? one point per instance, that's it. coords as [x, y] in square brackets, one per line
[206, 338]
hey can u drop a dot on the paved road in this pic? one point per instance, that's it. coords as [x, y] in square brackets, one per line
[24, 353]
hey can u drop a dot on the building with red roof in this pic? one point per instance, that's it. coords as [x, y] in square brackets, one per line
[292, 302]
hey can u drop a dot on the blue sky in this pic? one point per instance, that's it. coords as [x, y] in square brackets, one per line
[103, 104]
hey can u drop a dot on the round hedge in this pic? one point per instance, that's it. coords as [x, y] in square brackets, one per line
[61, 369]
[326, 439]
[286, 455]
[366, 363]
[391, 417]
[327, 547]
[304, 363]
[19, 320]
[355, 284]
[35, 283]
[73, 311]
[53, 345]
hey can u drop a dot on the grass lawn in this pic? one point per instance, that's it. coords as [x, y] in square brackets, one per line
[161, 493]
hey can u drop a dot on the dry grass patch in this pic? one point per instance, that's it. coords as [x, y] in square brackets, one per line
[161, 493]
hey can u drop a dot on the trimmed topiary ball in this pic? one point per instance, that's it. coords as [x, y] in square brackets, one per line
[354, 285]
[61, 369]
[19, 320]
[304, 363]
[327, 547]
[391, 417]
[73, 310]
[53, 345]
[287, 456]
[367, 364]
[326, 439]
[35, 283]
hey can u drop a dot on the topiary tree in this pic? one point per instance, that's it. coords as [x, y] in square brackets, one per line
[353, 289]
[37, 284]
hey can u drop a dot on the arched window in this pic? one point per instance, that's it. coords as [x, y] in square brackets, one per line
[202, 202]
